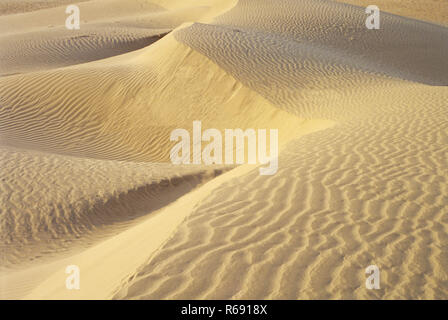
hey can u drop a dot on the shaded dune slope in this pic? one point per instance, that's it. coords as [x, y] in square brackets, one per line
[318, 45]
[39, 40]
[57, 126]
[340, 202]
[125, 108]
[370, 190]
[59, 203]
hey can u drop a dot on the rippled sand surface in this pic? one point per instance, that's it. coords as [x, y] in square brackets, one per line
[86, 178]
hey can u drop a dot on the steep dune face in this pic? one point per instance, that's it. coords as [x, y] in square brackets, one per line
[370, 190]
[318, 45]
[122, 108]
[126, 108]
[118, 109]
[39, 40]
[65, 132]
[85, 177]
[402, 47]
[37, 50]
[51, 204]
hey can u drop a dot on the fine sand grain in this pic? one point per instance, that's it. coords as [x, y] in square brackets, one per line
[86, 179]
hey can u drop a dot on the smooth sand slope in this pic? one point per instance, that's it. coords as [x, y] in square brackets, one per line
[85, 118]
[39, 40]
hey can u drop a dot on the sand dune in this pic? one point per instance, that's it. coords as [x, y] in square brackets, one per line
[348, 197]
[36, 220]
[39, 40]
[434, 11]
[125, 108]
[369, 190]
[14, 6]
[85, 119]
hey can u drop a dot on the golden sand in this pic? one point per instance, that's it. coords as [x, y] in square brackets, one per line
[85, 176]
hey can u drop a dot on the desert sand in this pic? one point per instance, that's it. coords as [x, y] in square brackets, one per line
[85, 171]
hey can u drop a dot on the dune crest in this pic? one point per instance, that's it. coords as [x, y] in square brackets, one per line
[86, 177]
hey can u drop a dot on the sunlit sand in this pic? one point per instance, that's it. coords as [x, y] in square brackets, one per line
[85, 171]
